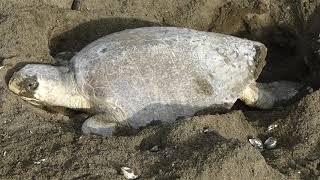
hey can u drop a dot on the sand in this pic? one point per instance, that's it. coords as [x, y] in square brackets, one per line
[37, 144]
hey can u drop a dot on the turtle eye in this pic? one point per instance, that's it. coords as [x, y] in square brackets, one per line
[31, 84]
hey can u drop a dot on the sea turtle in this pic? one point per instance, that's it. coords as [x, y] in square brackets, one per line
[140, 75]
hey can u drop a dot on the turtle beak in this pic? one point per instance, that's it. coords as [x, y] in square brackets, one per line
[15, 86]
[22, 86]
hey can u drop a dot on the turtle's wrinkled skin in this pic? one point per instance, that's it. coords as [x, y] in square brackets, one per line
[153, 73]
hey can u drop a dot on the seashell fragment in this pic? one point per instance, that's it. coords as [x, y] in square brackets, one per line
[257, 143]
[270, 143]
[128, 173]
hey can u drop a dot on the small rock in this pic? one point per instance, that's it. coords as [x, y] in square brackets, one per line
[257, 143]
[270, 143]
[128, 173]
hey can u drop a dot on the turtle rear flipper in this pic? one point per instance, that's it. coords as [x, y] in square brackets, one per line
[268, 95]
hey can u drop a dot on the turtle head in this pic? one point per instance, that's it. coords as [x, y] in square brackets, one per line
[36, 83]
[44, 85]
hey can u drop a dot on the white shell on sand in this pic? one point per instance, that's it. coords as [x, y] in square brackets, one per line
[128, 173]
[270, 143]
[257, 143]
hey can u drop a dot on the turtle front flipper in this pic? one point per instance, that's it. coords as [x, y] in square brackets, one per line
[268, 95]
[106, 124]
[100, 124]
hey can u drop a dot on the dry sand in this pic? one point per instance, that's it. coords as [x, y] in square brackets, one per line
[36, 144]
